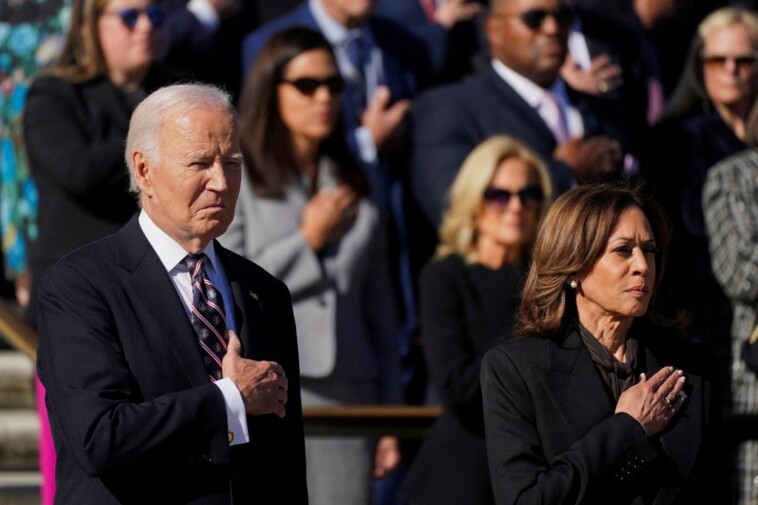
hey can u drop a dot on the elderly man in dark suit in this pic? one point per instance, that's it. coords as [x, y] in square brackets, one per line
[170, 363]
[520, 94]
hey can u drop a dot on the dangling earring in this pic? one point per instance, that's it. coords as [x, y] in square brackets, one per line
[573, 284]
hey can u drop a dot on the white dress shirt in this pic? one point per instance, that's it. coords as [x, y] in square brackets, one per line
[171, 255]
[533, 95]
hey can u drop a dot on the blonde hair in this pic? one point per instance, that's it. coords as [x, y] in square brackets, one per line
[457, 231]
[690, 94]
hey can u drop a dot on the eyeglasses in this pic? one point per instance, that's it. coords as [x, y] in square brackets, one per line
[131, 15]
[309, 85]
[530, 197]
[743, 63]
[533, 18]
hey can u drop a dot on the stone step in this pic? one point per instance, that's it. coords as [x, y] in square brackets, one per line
[20, 488]
[19, 437]
[16, 380]
[19, 422]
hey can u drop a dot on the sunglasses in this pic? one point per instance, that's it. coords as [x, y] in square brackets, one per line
[530, 197]
[533, 18]
[131, 15]
[717, 62]
[309, 85]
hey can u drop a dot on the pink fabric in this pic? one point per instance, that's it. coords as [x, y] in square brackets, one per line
[655, 101]
[429, 7]
[550, 110]
[46, 449]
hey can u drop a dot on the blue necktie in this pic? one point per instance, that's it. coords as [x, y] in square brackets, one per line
[207, 315]
[359, 56]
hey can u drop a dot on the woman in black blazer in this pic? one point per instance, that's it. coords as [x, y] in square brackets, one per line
[75, 122]
[595, 404]
[469, 295]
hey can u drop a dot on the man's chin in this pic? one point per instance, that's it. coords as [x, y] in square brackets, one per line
[214, 227]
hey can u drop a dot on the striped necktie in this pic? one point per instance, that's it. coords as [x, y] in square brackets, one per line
[207, 315]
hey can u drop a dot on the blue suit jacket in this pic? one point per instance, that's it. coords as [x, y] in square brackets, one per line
[448, 122]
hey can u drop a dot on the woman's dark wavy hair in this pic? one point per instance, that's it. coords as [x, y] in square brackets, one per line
[572, 239]
[264, 139]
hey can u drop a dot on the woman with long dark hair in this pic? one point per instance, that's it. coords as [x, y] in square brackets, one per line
[304, 215]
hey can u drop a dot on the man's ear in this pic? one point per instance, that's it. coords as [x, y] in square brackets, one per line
[493, 27]
[142, 172]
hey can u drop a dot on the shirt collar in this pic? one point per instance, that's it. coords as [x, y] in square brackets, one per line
[526, 89]
[168, 250]
[334, 32]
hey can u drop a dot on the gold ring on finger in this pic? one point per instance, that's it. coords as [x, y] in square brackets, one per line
[602, 86]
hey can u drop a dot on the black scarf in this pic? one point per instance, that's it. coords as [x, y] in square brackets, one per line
[616, 375]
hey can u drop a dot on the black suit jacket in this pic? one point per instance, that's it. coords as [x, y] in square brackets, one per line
[133, 416]
[552, 436]
[623, 111]
[465, 310]
[449, 121]
[74, 136]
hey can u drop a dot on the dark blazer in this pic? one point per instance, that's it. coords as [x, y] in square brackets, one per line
[465, 309]
[683, 150]
[449, 121]
[552, 436]
[75, 136]
[622, 111]
[133, 416]
[452, 53]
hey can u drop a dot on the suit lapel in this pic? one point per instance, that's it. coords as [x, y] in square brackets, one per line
[248, 307]
[150, 286]
[572, 370]
[512, 104]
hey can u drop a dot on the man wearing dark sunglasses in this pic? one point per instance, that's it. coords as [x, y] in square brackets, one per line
[520, 94]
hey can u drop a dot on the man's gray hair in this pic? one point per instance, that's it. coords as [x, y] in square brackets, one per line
[160, 106]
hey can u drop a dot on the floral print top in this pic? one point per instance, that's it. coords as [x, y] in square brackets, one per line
[31, 36]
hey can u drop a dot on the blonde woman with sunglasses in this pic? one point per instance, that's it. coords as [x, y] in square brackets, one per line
[468, 296]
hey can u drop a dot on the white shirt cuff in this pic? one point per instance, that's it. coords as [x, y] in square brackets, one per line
[366, 146]
[235, 412]
[205, 13]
